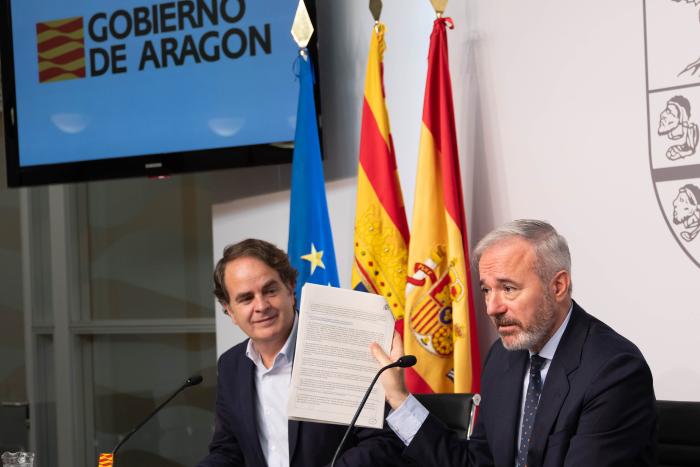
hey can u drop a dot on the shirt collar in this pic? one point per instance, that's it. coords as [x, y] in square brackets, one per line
[286, 352]
[551, 346]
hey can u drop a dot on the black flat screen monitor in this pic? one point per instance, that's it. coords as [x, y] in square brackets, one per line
[121, 88]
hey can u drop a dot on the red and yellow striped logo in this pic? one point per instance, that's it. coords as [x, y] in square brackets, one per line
[105, 460]
[61, 49]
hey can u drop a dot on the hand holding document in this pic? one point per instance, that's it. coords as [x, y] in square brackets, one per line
[332, 363]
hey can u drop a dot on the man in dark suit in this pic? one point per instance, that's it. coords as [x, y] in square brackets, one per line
[254, 282]
[559, 388]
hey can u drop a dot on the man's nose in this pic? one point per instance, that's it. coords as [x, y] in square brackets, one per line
[260, 303]
[494, 304]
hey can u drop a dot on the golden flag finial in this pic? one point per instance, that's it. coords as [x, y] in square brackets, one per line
[302, 28]
[439, 6]
[375, 7]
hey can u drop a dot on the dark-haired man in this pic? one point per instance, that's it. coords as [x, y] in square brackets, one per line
[254, 282]
[559, 388]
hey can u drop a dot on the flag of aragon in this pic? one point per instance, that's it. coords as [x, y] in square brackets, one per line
[439, 327]
[61, 49]
[381, 229]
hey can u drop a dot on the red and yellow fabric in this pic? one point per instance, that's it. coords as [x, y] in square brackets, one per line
[440, 328]
[105, 460]
[381, 229]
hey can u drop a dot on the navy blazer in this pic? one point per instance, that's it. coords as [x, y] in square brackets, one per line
[235, 442]
[597, 407]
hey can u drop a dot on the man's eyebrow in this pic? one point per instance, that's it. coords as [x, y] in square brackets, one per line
[243, 295]
[271, 282]
[507, 280]
[248, 293]
[501, 280]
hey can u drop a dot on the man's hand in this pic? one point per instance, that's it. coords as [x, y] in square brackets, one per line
[392, 379]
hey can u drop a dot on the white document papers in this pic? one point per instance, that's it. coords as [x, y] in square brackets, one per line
[332, 363]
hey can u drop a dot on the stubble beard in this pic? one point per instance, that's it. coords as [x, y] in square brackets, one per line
[533, 336]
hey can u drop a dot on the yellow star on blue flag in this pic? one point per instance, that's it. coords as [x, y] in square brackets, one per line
[309, 224]
[315, 258]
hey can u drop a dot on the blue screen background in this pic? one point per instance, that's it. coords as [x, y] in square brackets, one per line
[232, 102]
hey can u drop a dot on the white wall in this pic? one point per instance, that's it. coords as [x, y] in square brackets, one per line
[550, 104]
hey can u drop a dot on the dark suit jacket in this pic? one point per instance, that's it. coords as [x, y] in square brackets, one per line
[597, 407]
[235, 442]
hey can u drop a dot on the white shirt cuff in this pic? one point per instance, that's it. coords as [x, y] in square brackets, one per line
[407, 419]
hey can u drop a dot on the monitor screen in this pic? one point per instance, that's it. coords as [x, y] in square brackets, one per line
[129, 87]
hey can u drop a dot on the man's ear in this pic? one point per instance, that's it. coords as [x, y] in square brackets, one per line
[292, 288]
[231, 314]
[560, 285]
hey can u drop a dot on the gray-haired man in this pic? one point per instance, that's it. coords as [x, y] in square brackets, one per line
[558, 388]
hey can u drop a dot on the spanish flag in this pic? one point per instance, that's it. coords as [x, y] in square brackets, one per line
[105, 460]
[381, 229]
[440, 328]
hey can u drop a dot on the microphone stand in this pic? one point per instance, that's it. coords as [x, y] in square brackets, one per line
[192, 381]
[402, 362]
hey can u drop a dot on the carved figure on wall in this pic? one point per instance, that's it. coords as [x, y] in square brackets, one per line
[686, 211]
[675, 124]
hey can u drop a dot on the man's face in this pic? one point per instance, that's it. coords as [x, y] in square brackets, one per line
[518, 304]
[260, 303]
[668, 120]
[682, 208]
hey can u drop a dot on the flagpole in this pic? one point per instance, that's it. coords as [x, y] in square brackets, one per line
[375, 7]
[439, 7]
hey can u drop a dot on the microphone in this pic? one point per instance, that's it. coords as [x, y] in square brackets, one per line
[402, 362]
[191, 381]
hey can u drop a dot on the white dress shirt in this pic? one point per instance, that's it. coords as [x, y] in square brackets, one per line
[272, 392]
[408, 418]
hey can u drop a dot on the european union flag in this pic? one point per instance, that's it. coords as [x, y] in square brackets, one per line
[310, 246]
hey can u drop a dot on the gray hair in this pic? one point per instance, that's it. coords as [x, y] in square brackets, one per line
[551, 250]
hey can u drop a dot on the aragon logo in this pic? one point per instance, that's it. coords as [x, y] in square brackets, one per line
[146, 38]
[673, 114]
[61, 49]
